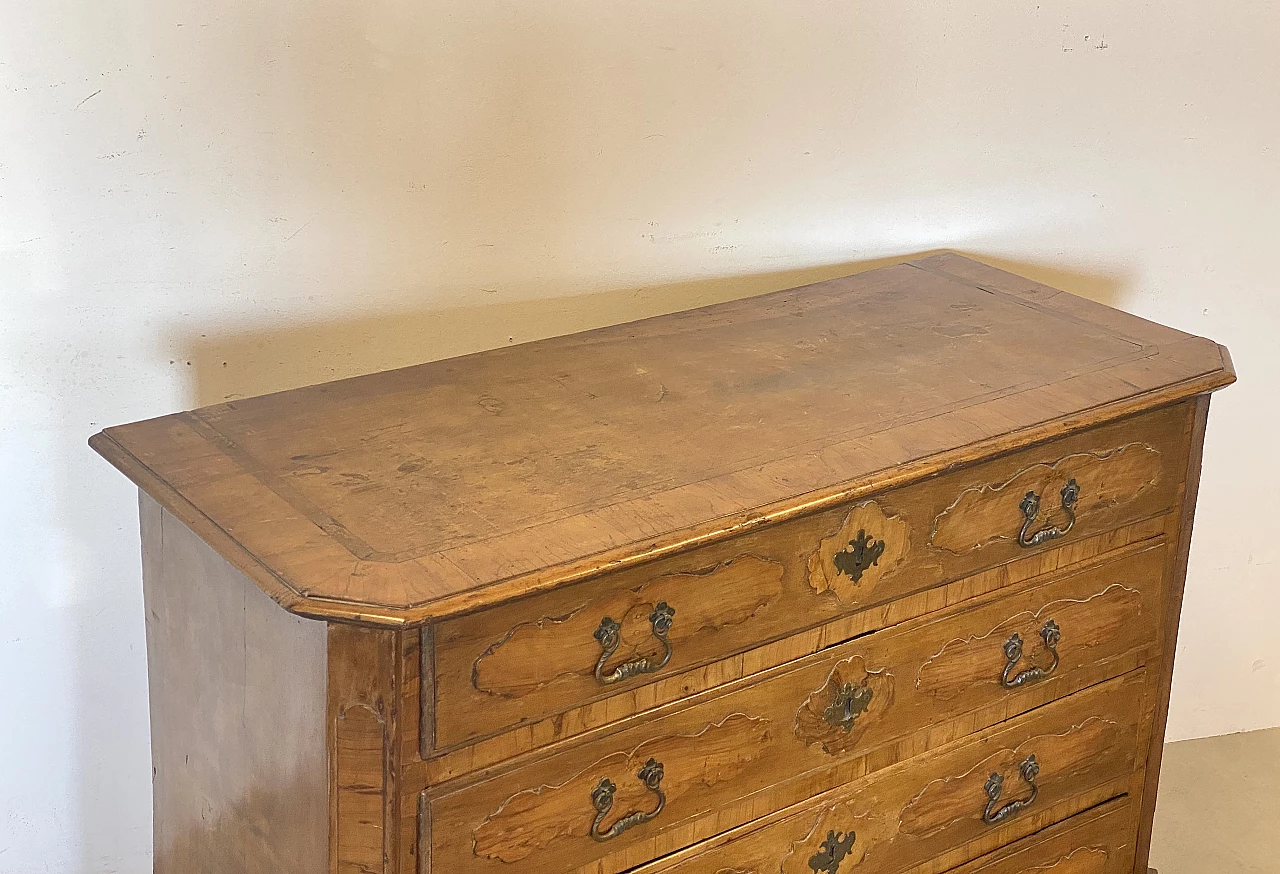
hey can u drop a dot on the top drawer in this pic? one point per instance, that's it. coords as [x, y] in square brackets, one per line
[601, 650]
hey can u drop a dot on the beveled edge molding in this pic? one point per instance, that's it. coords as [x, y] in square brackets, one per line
[292, 598]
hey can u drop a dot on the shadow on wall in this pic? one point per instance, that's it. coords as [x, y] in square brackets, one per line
[231, 366]
[227, 367]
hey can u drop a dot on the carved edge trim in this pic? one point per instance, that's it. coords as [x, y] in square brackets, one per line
[426, 691]
[372, 688]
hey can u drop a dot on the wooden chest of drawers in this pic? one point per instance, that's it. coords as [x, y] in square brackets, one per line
[878, 575]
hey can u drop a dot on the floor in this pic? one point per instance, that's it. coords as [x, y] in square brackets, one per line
[1219, 806]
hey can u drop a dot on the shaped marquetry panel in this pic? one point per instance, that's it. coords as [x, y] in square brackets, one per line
[536, 818]
[1036, 644]
[868, 547]
[552, 649]
[836, 716]
[1043, 502]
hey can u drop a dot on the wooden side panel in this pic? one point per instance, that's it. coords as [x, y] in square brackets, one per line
[237, 715]
[1176, 577]
[364, 757]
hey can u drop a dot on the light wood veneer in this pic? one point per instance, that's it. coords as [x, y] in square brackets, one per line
[798, 583]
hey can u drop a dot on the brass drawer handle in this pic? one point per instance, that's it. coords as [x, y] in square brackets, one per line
[1052, 636]
[1031, 509]
[602, 798]
[1029, 770]
[610, 635]
[849, 703]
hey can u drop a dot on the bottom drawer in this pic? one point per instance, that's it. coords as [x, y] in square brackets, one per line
[953, 804]
[1100, 841]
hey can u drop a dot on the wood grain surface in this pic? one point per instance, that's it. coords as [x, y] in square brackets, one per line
[534, 658]
[597, 716]
[1098, 841]
[770, 741]
[926, 815]
[433, 490]
[237, 691]
[794, 584]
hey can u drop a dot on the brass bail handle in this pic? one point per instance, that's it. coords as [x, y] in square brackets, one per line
[995, 813]
[609, 635]
[1031, 509]
[1051, 635]
[602, 800]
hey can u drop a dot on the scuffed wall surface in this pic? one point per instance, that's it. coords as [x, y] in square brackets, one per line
[204, 201]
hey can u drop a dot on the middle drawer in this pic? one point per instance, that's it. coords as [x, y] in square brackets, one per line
[804, 728]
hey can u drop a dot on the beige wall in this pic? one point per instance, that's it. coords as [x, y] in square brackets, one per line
[201, 201]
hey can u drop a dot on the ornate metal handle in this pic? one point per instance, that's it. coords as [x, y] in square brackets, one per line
[850, 702]
[610, 635]
[1031, 509]
[602, 799]
[1051, 635]
[994, 813]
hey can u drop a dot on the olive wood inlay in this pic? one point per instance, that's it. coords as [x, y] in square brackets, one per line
[1079, 806]
[1085, 860]
[836, 716]
[885, 540]
[948, 799]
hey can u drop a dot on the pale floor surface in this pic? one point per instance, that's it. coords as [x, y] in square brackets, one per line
[1218, 811]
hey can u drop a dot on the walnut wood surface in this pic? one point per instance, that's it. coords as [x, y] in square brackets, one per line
[770, 733]
[534, 658]
[598, 717]
[729, 462]
[925, 815]
[363, 709]
[433, 490]
[1096, 842]
[237, 715]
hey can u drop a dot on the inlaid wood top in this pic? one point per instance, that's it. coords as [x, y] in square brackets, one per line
[428, 491]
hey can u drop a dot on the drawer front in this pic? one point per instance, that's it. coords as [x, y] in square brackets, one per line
[618, 639]
[965, 802]
[805, 728]
[1100, 841]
